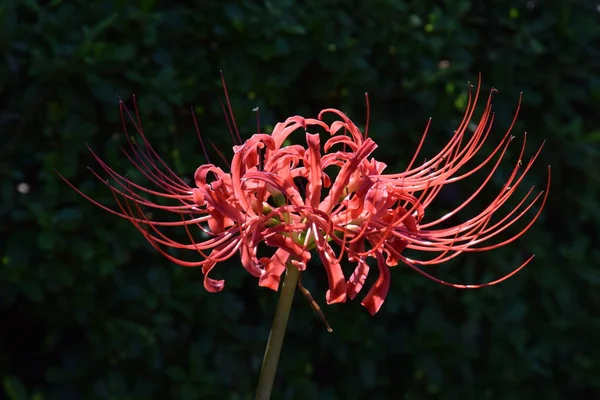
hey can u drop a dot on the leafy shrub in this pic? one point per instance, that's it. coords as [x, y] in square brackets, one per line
[90, 311]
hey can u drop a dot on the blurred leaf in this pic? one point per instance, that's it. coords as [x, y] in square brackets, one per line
[13, 388]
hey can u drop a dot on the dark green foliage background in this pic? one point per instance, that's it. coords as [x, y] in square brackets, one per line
[90, 311]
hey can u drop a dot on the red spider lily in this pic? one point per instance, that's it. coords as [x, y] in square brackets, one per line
[359, 210]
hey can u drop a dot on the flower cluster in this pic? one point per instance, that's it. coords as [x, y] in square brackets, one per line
[328, 198]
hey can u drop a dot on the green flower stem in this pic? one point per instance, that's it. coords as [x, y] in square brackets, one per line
[273, 350]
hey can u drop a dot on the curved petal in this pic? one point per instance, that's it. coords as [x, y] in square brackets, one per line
[376, 296]
[274, 267]
[335, 276]
[313, 165]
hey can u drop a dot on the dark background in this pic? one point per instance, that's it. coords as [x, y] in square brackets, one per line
[90, 311]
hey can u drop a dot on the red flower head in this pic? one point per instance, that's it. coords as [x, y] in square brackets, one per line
[359, 210]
